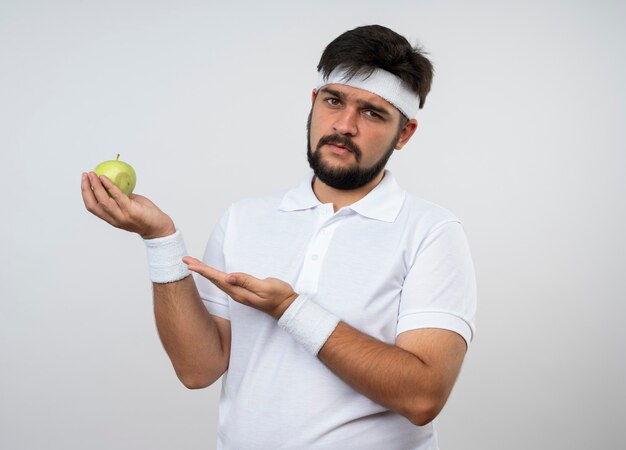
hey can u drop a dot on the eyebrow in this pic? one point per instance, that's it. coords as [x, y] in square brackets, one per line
[362, 103]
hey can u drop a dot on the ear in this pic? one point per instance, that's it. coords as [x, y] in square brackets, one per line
[313, 95]
[406, 133]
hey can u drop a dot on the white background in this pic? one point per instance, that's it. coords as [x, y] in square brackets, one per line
[522, 137]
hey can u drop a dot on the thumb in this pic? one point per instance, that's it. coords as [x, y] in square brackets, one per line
[144, 201]
[243, 280]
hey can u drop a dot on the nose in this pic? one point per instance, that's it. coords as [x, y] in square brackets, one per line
[346, 122]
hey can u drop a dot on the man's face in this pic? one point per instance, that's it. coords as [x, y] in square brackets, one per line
[351, 134]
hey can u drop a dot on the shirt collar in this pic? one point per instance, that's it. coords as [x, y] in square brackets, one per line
[300, 197]
[381, 203]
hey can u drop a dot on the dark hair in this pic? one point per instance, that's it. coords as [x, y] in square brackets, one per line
[363, 49]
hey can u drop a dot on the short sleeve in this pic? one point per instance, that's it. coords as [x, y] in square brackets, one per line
[440, 289]
[214, 299]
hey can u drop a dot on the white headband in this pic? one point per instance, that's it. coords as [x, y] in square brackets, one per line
[382, 83]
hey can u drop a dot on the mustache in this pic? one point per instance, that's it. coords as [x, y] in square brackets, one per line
[343, 141]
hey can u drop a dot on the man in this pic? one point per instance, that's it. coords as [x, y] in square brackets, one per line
[338, 312]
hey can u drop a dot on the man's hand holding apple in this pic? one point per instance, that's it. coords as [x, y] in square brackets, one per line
[133, 213]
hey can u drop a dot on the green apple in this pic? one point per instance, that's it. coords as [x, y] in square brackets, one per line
[120, 173]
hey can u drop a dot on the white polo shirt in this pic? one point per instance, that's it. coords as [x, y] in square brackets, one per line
[384, 265]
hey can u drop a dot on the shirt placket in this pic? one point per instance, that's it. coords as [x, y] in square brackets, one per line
[308, 279]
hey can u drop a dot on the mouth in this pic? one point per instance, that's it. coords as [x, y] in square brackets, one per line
[341, 146]
[338, 148]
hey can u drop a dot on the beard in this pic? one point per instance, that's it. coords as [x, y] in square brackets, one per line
[344, 178]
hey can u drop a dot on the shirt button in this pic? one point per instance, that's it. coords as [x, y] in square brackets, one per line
[314, 257]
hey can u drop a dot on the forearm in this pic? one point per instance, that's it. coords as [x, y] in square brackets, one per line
[386, 374]
[189, 334]
[197, 343]
[413, 377]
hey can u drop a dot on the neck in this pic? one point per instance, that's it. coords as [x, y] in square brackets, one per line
[340, 197]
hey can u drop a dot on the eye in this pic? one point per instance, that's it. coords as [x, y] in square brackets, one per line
[372, 114]
[332, 101]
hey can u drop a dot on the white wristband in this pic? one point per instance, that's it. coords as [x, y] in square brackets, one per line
[308, 323]
[165, 256]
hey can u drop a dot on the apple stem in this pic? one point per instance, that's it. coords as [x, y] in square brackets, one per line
[118, 157]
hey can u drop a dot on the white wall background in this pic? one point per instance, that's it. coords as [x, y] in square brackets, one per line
[523, 137]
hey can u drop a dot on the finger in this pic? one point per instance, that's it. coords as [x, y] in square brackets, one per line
[102, 196]
[244, 288]
[218, 278]
[245, 281]
[208, 272]
[89, 198]
[96, 186]
[115, 193]
[91, 202]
